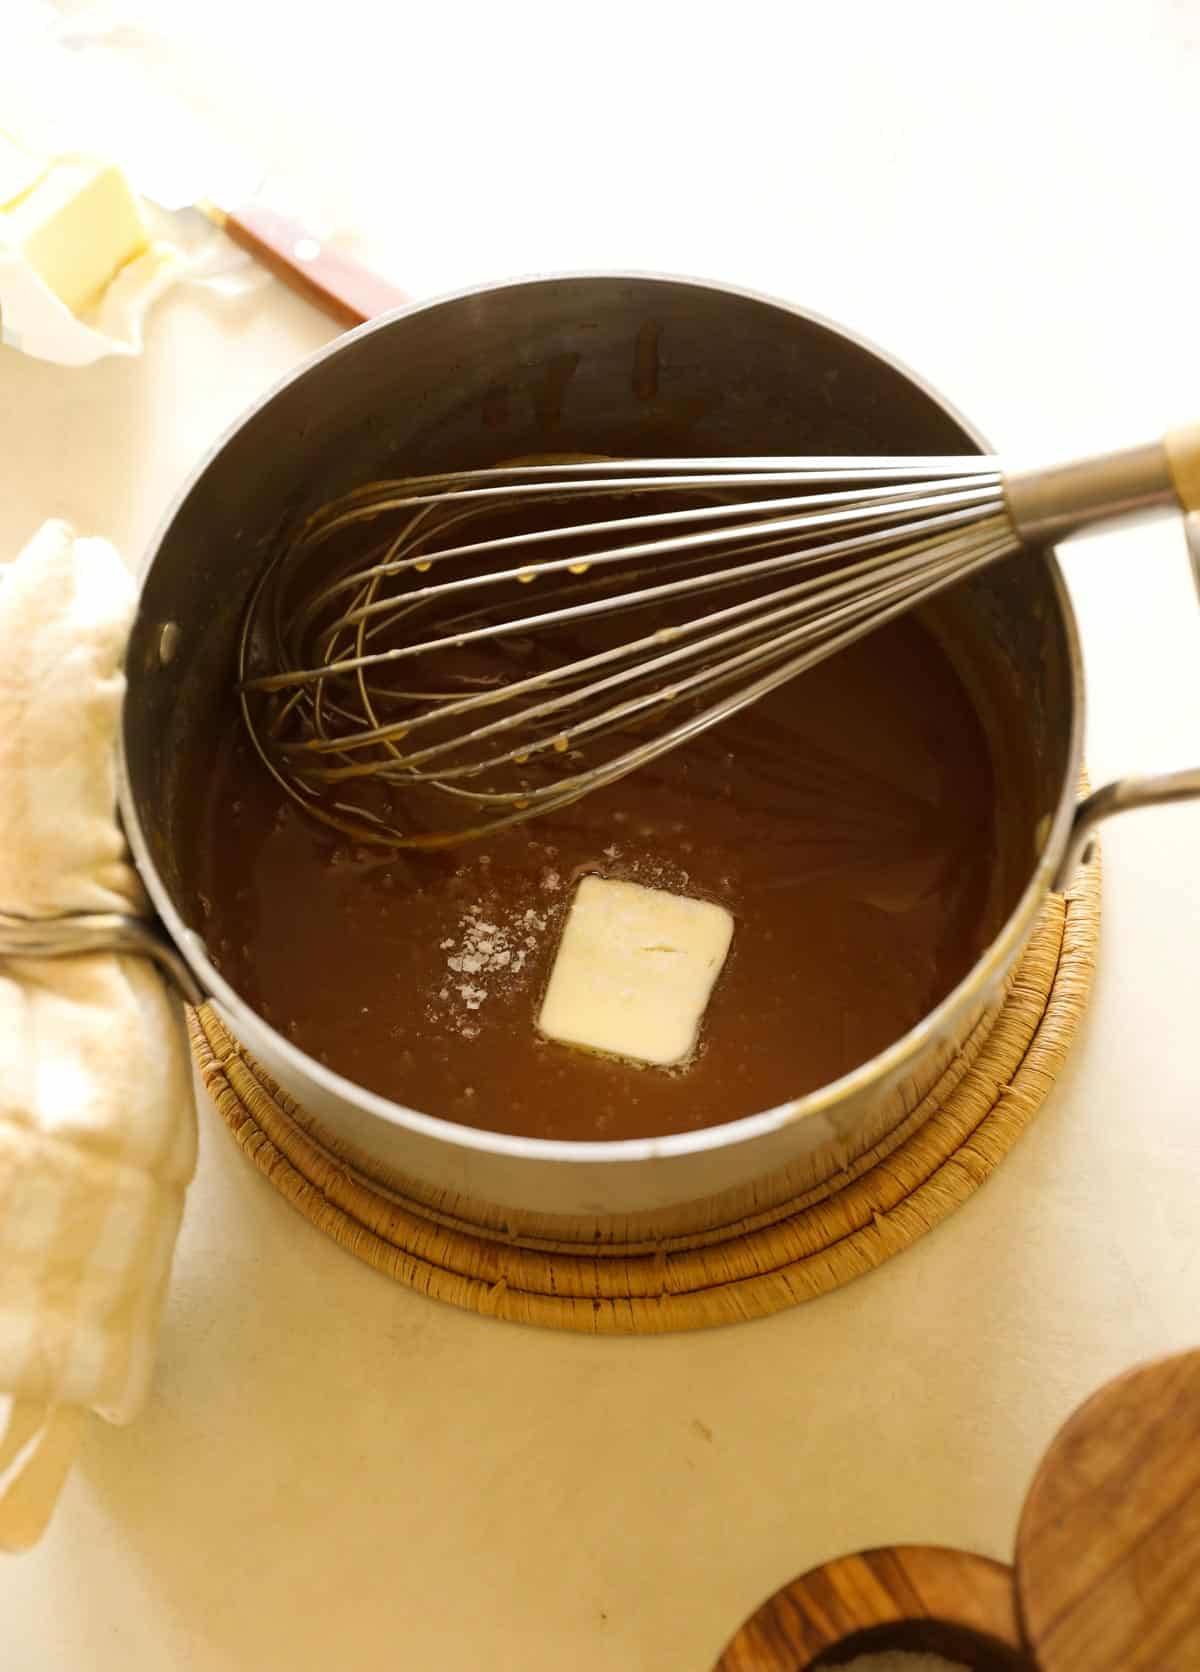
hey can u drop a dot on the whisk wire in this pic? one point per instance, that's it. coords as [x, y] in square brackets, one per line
[944, 520]
[570, 789]
[826, 552]
[854, 582]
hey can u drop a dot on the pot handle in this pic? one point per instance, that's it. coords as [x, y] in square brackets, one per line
[1125, 794]
[1121, 796]
[102, 931]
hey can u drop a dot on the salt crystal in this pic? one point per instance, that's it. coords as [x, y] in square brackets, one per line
[485, 948]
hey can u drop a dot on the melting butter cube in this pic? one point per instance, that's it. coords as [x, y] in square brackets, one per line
[634, 971]
[76, 226]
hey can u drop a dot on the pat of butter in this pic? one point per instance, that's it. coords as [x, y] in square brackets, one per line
[634, 971]
[76, 227]
[20, 170]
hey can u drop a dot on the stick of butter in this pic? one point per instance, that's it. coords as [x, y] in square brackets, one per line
[634, 971]
[76, 227]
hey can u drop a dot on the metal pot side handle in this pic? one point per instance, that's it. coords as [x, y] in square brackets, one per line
[84, 932]
[1123, 795]
[1126, 794]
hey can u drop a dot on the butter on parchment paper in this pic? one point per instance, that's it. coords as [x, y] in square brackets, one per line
[75, 221]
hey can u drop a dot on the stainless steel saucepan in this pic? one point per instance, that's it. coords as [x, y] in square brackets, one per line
[613, 364]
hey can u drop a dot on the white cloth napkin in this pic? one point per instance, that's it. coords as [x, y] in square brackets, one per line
[97, 1117]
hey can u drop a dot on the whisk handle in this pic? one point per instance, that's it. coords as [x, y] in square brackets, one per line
[338, 285]
[1183, 457]
[1054, 503]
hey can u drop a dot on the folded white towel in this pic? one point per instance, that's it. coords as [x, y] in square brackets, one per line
[97, 1119]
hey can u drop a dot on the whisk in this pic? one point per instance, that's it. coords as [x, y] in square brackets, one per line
[438, 656]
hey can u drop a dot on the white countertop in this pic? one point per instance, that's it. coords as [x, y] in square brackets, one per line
[333, 1472]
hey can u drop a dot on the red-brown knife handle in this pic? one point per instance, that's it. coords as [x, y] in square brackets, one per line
[338, 285]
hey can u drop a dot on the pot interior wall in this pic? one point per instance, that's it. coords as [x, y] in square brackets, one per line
[610, 365]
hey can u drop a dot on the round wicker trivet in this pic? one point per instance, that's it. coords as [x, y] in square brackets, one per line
[746, 1269]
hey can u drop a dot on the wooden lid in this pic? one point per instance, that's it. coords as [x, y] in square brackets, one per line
[1108, 1551]
[916, 1597]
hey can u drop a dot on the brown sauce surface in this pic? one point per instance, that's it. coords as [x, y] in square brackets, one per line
[848, 822]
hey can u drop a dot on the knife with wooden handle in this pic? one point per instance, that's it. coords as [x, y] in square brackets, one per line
[333, 282]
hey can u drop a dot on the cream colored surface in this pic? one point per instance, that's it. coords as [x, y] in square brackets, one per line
[634, 970]
[333, 1472]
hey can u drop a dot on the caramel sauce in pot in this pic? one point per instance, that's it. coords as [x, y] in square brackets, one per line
[848, 821]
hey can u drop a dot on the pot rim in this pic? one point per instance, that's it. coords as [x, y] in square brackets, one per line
[886, 1067]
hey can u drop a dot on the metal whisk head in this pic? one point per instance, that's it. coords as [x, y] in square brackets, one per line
[439, 656]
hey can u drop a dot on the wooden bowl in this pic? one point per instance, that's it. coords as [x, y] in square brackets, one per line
[914, 1597]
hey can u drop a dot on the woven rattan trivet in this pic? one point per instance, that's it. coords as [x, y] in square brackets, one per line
[747, 1269]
